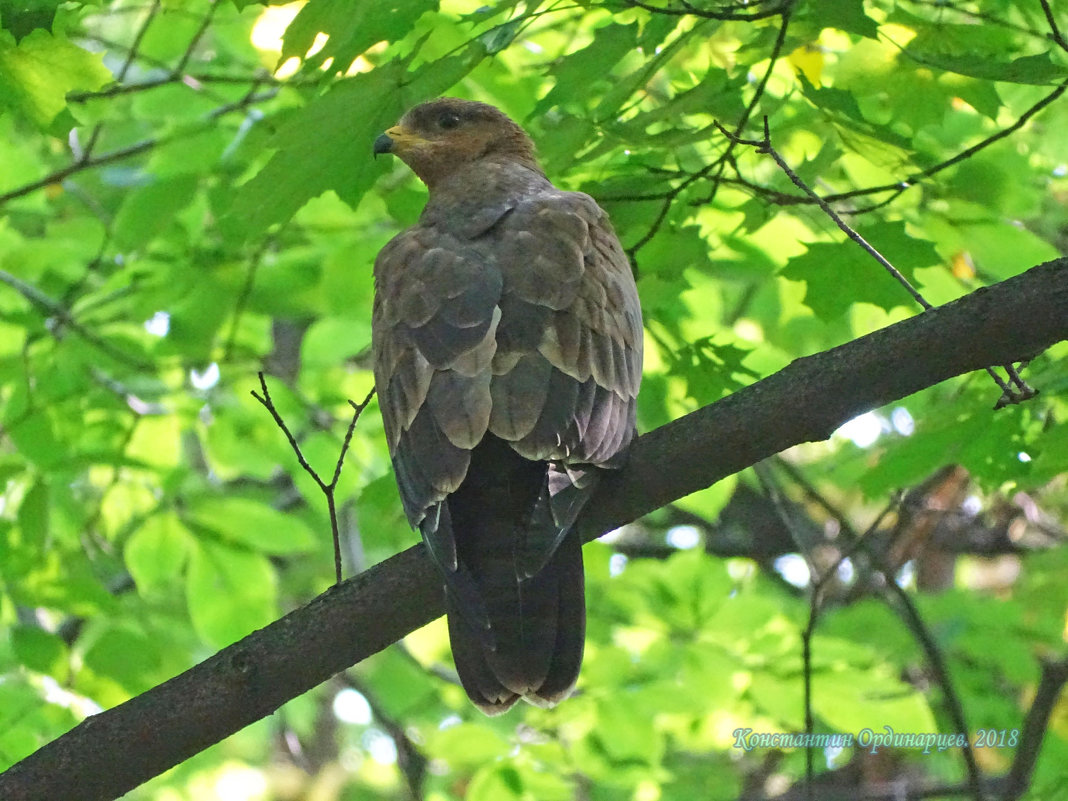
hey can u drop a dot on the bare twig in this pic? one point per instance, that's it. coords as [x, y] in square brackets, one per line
[912, 619]
[1054, 677]
[909, 615]
[246, 292]
[179, 68]
[60, 318]
[818, 584]
[1054, 31]
[1009, 393]
[1016, 391]
[131, 55]
[81, 165]
[916, 178]
[192, 80]
[689, 10]
[720, 164]
[411, 760]
[972, 15]
[895, 189]
[764, 146]
[94, 136]
[327, 488]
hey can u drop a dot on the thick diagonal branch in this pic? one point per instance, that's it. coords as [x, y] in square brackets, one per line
[111, 753]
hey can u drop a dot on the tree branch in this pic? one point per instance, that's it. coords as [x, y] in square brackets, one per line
[110, 753]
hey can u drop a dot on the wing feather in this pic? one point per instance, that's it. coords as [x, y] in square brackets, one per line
[434, 338]
[519, 396]
[568, 294]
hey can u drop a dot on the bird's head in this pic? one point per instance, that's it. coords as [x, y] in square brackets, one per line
[441, 137]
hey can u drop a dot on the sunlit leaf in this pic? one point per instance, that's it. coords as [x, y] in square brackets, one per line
[253, 525]
[37, 73]
[230, 592]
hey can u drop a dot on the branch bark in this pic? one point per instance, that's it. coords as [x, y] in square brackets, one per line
[111, 753]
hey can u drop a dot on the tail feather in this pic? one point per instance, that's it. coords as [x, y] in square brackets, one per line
[570, 622]
[537, 623]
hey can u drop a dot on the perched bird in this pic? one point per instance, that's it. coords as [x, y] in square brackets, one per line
[507, 342]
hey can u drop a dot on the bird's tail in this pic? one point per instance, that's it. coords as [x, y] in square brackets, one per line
[526, 640]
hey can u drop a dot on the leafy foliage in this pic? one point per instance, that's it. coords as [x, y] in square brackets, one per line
[187, 197]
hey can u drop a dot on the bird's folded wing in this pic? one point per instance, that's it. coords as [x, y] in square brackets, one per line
[434, 335]
[569, 345]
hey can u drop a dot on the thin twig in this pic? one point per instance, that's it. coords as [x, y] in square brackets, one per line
[1054, 31]
[941, 8]
[192, 80]
[179, 68]
[937, 663]
[126, 152]
[1019, 390]
[411, 760]
[910, 616]
[1009, 395]
[245, 294]
[689, 10]
[810, 628]
[120, 76]
[895, 189]
[327, 488]
[720, 163]
[914, 179]
[63, 319]
[764, 146]
[1054, 677]
[994, 137]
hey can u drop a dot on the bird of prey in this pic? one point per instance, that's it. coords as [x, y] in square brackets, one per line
[507, 342]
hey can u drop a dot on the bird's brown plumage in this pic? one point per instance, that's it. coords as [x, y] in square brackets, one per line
[507, 340]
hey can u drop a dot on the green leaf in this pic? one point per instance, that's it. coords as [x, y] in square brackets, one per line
[500, 37]
[56, 579]
[251, 524]
[230, 592]
[1036, 70]
[156, 553]
[331, 340]
[849, 699]
[127, 656]
[351, 28]
[1003, 248]
[845, 15]
[327, 144]
[37, 73]
[829, 98]
[710, 369]
[149, 209]
[841, 274]
[33, 514]
[21, 17]
[495, 782]
[35, 437]
[626, 730]
[468, 744]
[27, 721]
[574, 73]
[40, 650]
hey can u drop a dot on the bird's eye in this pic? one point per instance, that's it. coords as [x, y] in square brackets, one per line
[448, 121]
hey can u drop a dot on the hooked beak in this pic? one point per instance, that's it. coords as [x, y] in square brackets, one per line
[397, 140]
[383, 144]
